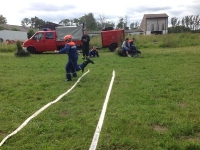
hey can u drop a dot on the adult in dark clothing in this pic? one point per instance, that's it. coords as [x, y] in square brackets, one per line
[72, 66]
[85, 47]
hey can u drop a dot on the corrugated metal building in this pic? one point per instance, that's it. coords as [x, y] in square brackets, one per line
[154, 24]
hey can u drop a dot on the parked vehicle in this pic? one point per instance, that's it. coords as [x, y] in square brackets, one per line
[112, 38]
[48, 40]
[12, 36]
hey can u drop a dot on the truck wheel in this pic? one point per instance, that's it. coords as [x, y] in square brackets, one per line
[113, 46]
[31, 50]
[1, 40]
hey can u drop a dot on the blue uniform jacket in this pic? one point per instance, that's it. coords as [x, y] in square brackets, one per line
[71, 49]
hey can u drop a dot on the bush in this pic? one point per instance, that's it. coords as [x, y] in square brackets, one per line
[30, 33]
[20, 52]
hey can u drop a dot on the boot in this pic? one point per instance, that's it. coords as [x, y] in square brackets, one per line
[86, 63]
[89, 60]
[74, 75]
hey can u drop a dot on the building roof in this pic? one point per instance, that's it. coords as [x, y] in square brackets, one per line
[146, 16]
[9, 27]
[164, 15]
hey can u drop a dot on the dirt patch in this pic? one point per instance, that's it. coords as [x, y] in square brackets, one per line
[2, 134]
[198, 135]
[187, 138]
[160, 128]
[182, 104]
[64, 113]
[190, 138]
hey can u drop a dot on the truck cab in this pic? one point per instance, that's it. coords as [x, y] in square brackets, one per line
[41, 41]
[51, 40]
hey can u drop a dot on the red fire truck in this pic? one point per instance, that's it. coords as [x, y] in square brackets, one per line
[49, 40]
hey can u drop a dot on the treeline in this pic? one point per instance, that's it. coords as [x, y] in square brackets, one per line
[186, 24]
[89, 20]
[92, 24]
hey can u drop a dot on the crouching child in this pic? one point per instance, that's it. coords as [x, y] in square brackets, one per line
[94, 52]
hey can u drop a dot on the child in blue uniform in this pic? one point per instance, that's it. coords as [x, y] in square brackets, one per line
[94, 52]
[72, 66]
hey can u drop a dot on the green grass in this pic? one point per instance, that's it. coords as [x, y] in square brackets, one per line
[8, 48]
[154, 102]
[166, 40]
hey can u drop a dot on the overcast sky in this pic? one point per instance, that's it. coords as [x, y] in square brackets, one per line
[57, 10]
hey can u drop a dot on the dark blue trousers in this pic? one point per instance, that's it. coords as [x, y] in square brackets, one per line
[71, 68]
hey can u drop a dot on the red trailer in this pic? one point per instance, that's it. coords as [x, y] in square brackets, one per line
[112, 38]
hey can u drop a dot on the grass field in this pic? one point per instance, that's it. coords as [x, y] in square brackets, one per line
[154, 103]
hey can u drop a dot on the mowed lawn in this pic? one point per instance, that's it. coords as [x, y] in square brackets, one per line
[154, 102]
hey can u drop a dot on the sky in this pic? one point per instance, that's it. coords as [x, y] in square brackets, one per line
[56, 10]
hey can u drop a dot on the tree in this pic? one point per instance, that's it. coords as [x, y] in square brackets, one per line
[90, 22]
[191, 22]
[174, 21]
[125, 23]
[134, 25]
[3, 20]
[187, 21]
[25, 22]
[101, 23]
[77, 22]
[121, 23]
[197, 22]
[36, 23]
[65, 22]
[109, 24]
[183, 22]
[102, 19]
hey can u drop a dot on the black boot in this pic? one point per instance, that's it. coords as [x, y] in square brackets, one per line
[86, 63]
[74, 75]
[89, 60]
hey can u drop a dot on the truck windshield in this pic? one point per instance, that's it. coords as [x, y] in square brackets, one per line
[38, 36]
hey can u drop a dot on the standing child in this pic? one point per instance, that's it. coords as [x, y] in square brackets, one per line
[94, 52]
[72, 64]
